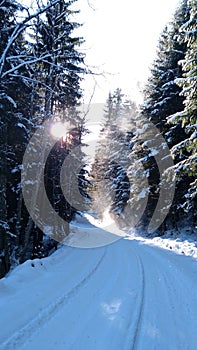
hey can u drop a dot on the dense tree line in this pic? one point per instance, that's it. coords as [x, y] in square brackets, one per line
[170, 105]
[111, 184]
[40, 72]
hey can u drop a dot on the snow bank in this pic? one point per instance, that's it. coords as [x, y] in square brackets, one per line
[181, 242]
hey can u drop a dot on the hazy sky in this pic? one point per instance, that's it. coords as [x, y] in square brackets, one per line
[121, 39]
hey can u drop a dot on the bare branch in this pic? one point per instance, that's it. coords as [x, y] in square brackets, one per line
[90, 5]
[19, 28]
[90, 101]
[33, 80]
[25, 63]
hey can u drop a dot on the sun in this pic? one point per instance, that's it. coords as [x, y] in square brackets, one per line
[58, 130]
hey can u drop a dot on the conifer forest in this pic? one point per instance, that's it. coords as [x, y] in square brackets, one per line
[42, 68]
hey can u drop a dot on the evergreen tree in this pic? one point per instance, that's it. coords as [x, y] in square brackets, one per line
[111, 182]
[14, 129]
[162, 97]
[61, 71]
[58, 77]
[187, 149]
[39, 78]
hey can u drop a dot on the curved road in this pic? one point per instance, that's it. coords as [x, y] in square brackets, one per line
[125, 296]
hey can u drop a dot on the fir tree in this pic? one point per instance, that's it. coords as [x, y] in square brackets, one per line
[39, 78]
[162, 97]
[14, 129]
[187, 149]
[111, 182]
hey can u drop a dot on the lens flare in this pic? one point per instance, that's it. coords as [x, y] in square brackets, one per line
[58, 130]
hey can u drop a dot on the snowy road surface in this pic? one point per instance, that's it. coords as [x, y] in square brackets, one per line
[127, 295]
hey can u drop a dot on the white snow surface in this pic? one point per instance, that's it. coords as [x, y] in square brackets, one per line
[130, 294]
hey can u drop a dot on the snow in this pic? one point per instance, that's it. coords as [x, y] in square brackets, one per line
[143, 193]
[173, 118]
[87, 231]
[153, 153]
[11, 100]
[130, 294]
[17, 168]
[22, 126]
[183, 241]
[193, 136]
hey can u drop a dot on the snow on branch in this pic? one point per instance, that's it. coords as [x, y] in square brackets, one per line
[21, 27]
[33, 80]
[37, 59]
[7, 97]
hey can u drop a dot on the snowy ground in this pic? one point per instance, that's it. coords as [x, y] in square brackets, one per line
[130, 294]
[182, 242]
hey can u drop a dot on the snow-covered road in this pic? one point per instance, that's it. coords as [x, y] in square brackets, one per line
[127, 295]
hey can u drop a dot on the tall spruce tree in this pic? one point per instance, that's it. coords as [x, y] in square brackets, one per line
[39, 78]
[62, 70]
[186, 168]
[111, 183]
[59, 76]
[162, 97]
[15, 126]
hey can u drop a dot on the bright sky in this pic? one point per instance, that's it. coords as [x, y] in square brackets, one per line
[121, 39]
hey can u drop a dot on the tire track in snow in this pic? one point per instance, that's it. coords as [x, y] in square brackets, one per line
[88, 318]
[161, 279]
[182, 343]
[136, 316]
[20, 338]
[139, 308]
[172, 295]
[171, 277]
[110, 283]
[165, 291]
